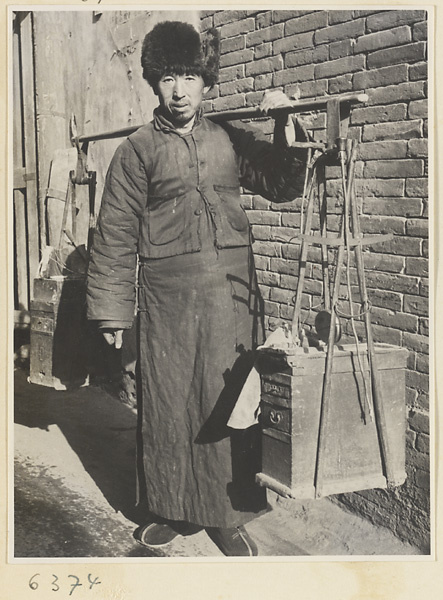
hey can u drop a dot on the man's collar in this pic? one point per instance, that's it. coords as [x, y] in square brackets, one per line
[162, 123]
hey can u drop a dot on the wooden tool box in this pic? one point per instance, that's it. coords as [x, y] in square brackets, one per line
[59, 341]
[290, 411]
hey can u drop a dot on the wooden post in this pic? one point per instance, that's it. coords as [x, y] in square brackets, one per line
[19, 185]
[28, 89]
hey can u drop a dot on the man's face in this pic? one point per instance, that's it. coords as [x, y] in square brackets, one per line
[181, 96]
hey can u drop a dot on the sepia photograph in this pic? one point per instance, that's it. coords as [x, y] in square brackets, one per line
[220, 285]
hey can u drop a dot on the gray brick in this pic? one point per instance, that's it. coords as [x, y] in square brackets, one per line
[416, 305]
[417, 266]
[344, 31]
[254, 99]
[385, 39]
[393, 207]
[269, 34]
[262, 263]
[222, 17]
[285, 15]
[418, 148]
[229, 102]
[383, 224]
[419, 422]
[292, 75]
[340, 49]
[417, 187]
[207, 22]
[310, 89]
[420, 31]
[231, 73]
[401, 130]
[339, 16]
[235, 58]
[388, 318]
[306, 56]
[264, 19]
[424, 326]
[237, 28]
[398, 55]
[284, 266]
[418, 109]
[382, 149]
[237, 87]
[381, 77]
[364, 13]
[349, 64]
[422, 401]
[263, 82]
[393, 18]
[294, 42]
[265, 65]
[383, 262]
[386, 335]
[340, 85]
[385, 299]
[405, 246]
[311, 22]
[394, 168]
[423, 443]
[418, 71]
[232, 44]
[378, 114]
[267, 249]
[272, 309]
[392, 283]
[380, 187]
[263, 50]
[417, 227]
[416, 342]
[396, 93]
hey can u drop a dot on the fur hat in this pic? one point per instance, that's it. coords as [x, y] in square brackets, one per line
[176, 47]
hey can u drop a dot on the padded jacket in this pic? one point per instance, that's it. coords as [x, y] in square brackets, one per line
[159, 183]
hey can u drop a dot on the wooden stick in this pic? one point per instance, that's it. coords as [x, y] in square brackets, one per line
[303, 256]
[377, 395]
[323, 230]
[241, 113]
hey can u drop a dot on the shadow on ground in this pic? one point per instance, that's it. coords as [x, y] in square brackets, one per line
[100, 430]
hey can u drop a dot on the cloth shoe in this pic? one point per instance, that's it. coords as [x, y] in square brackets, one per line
[233, 541]
[154, 535]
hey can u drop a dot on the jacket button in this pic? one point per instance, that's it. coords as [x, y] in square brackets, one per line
[198, 211]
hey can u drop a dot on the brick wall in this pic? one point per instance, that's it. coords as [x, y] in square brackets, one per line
[383, 53]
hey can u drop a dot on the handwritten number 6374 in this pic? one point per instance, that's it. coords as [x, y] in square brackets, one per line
[34, 585]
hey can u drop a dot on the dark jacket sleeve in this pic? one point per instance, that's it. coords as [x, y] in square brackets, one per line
[272, 169]
[113, 264]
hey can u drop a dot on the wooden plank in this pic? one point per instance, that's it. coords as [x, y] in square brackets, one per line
[17, 128]
[28, 88]
[21, 255]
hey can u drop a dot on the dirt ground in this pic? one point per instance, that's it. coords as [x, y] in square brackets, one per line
[75, 490]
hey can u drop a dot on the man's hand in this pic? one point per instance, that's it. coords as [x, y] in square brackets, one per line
[114, 337]
[284, 126]
[273, 99]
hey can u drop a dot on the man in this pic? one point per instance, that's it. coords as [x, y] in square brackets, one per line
[171, 206]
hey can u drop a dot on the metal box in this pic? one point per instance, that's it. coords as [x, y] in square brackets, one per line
[290, 414]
